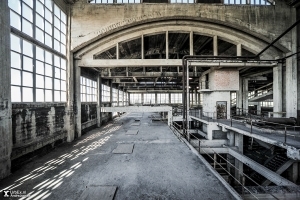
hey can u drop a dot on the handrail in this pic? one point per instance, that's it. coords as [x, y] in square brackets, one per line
[185, 135]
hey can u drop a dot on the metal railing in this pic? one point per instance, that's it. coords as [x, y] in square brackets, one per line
[203, 85]
[184, 135]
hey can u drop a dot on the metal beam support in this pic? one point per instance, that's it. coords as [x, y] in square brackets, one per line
[104, 63]
[270, 175]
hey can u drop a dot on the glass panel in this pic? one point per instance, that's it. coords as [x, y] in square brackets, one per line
[39, 53]
[56, 34]
[57, 45]
[39, 95]
[15, 43]
[27, 95]
[27, 12]
[56, 61]
[63, 49]
[63, 38]
[57, 96]
[48, 15]
[63, 85]
[49, 4]
[27, 79]
[48, 94]
[29, 2]
[27, 48]
[56, 11]
[63, 64]
[15, 20]
[57, 23]
[39, 81]
[63, 17]
[48, 70]
[42, 1]
[48, 83]
[63, 96]
[15, 77]
[39, 8]
[27, 64]
[15, 5]
[15, 94]
[56, 84]
[39, 35]
[39, 67]
[15, 60]
[57, 72]
[39, 21]
[48, 40]
[26, 27]
[63, 28]
[48, 57]
[48, 28]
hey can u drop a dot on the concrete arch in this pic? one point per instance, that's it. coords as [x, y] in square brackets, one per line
[251, 41]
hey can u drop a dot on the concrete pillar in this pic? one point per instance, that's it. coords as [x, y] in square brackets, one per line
[5, 92]
[215, 45]
[111, 97]
[99, 100]
[69, 119]
[77, 99]
[191, 43]
[258, 108]
[167, 44]
[245, 95]
[298, 64]
[239, 96]
[291, 86]
[123, 97]
[239, 50]
[128, 98]
[239, 143]
[156, 102]
[117, 51]
[143, 47]
[277, 89]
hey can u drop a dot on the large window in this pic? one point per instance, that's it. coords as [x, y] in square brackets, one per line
[88, 90]
[182, 1]
[105, 93]
[126, 103]
[37, 75]
[121, 100]
[252, 2]
[176, 97]
[135, 98]
[149, 98]
[114, 97]
[114, 1]
[163, 98]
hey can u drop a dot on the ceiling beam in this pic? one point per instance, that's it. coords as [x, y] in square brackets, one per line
[166, 62]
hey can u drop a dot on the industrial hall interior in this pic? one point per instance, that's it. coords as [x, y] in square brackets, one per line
[149, 99]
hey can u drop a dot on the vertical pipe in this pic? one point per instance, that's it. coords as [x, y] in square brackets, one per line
[187, 100]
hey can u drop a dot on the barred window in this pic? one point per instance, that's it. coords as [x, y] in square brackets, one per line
[176, 97]
[135, 98]
[105, 93]
[163, 98]
[149, 98]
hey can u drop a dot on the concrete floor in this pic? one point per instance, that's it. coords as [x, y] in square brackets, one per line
[160, 167]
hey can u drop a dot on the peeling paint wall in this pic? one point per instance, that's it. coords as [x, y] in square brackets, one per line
[36, 126]
[88, 115]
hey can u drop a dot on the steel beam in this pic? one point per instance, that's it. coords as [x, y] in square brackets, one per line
[267, 173]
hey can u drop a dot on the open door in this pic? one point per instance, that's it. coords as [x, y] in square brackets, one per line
[221, 109]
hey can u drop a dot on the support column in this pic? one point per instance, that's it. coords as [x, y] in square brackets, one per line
[291, 86]
[245, 95]
[277, 89]
[99, 100]
[215, 42]
[258, 110]
[156, 99]
[239, 96]
[5, 93]
[77, 99]
[239, 50]
[117, 51]
[239, 143]
[167, 44]
[143, 47]
[191, 43]
[69, 119]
